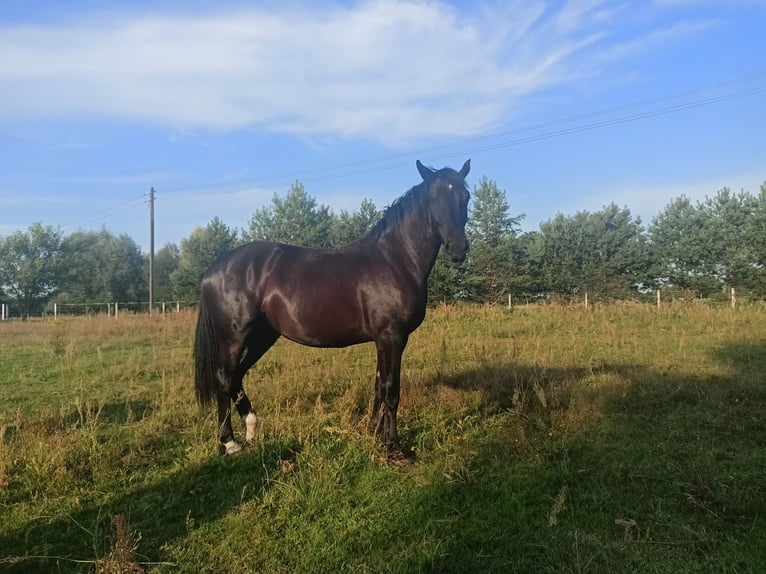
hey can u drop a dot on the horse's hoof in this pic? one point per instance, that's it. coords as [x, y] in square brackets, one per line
[400, 458]
[232, 447]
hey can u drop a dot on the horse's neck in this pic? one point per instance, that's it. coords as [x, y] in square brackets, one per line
[415, 238]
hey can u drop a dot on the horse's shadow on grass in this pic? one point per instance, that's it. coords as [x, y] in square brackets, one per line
[505, 385]
[683, 441]
[188, 500]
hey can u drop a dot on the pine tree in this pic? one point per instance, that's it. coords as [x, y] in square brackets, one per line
[491, 230]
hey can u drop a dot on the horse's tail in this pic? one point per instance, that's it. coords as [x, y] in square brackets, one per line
[205, 356]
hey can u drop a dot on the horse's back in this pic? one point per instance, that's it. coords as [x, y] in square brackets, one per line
[318, 297]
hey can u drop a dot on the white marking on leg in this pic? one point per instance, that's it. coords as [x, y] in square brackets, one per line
[249, 421]
[232, 447]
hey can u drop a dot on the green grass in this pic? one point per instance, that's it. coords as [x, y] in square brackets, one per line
[549, 439]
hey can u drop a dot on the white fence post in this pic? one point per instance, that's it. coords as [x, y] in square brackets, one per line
[733, 299]
[658, 298]
[116, 309]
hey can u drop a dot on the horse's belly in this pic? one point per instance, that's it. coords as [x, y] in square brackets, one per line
[327, 333]
[318, 325]
[326, 339]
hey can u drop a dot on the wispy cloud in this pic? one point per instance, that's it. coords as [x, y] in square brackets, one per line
[576, 14]
[656, 38]
[383, 70]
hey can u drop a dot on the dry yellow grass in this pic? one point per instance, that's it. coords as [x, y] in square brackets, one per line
[620, 411]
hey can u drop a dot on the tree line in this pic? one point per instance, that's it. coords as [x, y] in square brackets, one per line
[695, 249]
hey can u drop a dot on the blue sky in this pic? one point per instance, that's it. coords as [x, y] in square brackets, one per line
[567, 105]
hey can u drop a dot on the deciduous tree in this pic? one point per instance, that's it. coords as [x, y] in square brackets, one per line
[166, 261]
[29, 269]
[99, 267]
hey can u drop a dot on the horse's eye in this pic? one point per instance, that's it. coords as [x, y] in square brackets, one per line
[449, 186]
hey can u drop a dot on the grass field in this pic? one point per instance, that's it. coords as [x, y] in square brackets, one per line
[549, 439]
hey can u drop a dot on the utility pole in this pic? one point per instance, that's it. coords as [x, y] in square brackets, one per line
[151, 249]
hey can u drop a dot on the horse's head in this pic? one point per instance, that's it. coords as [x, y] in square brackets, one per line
[448, 199]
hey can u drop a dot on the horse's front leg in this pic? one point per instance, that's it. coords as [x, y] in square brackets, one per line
[387, 389]
[376, 422]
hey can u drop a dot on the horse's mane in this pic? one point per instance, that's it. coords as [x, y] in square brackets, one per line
[406, 205]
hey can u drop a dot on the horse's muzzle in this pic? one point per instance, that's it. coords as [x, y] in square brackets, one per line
[456, 250]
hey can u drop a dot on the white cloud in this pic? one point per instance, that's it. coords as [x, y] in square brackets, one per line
[389, 70]
[384, 70]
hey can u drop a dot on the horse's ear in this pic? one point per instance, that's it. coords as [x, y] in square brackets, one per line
[466, 168]
[425, 173]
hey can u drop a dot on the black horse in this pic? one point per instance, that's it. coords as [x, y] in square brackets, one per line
[373, 289]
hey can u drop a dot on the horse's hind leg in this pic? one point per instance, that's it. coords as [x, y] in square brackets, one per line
[259, 340]
[225, 432]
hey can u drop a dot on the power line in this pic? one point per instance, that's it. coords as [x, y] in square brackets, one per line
[570, 119]
[106, 212]
[549, 135]
[464, 146]
[613, 122]
[389, 162]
